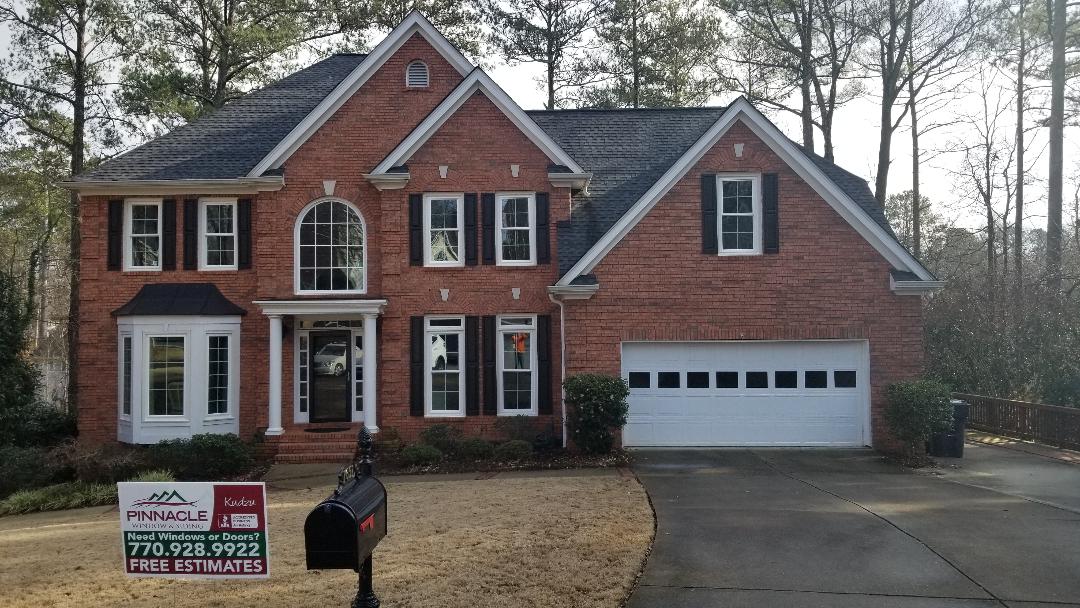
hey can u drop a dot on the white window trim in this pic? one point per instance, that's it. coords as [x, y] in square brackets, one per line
[232, 378]
[460, 198]
[533, 362]
[120, 375]
[128, 251]
[145, 364]
[755, 181]
[499, 198]
[462, 357]
[203, 203]
[296, 250]
[427, 75]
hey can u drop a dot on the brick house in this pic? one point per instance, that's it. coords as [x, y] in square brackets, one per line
[389, 240]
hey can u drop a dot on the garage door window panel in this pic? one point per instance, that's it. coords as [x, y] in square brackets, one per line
[639, 380]
[727, 379]
[667, 380]
[757, 379]
[445, 339]
[517, 365]
[844, 379]
[697, 379]
[787, 379]
[816, 379]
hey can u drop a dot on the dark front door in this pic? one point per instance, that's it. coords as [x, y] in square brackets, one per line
[331, 370]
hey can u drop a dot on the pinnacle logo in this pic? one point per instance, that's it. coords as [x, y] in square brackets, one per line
[165, 499]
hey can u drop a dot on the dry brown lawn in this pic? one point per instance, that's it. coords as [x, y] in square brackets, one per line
[539, 541]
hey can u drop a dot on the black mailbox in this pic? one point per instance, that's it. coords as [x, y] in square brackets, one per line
[344, 529]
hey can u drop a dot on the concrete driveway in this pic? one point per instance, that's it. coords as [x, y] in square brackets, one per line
[840, 528]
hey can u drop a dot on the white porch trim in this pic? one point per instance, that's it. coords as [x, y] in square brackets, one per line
[369, 310]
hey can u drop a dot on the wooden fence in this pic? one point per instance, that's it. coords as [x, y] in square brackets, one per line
[1047, 424]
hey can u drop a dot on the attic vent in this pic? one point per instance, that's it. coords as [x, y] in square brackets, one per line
[416, 75]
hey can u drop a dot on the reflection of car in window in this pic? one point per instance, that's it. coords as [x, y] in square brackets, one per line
[330, 360]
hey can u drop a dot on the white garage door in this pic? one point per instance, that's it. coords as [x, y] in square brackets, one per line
[802, 393]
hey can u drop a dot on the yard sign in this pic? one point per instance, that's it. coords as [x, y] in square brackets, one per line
[194, 530]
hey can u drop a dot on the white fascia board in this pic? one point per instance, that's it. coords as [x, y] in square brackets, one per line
[576, 181]
[743, 110]
[573, 292]
[388, 181]
[915, 288]
[240, 185]
[478, 80]
[321, 307]
[413, 23]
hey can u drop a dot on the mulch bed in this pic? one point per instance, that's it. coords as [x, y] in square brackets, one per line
[391, 464]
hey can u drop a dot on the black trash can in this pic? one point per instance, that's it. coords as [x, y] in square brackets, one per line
[950, 444]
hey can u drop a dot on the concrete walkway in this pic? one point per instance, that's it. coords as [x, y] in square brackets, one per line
[840, 528]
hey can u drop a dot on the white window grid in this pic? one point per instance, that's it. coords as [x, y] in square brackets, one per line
[443, 244]
[524, 327]
[438, 329]
[225, 241]
[510, 227]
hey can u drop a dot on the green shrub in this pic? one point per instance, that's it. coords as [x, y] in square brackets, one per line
[443, 437]
[107, 463]
[420, 454]
[916, 410]
[475, 448]
[19, 378]
[24, 468]
[516, 427]
[388, 440]
[70, 495]
[597, 405]
[158, 475]
[205, 457]
[35, 424]
[514, 450]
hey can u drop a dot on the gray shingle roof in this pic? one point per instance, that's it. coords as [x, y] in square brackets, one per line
[229, 142]
[179, 299]
[628, 151]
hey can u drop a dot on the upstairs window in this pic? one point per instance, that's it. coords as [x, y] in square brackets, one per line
[444, 217]
[142, 227]
[330, 249]
[739, 214]
[416, 75]
[515, 223]
[217, 223]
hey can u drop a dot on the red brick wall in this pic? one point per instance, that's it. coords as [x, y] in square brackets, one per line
[826, 282]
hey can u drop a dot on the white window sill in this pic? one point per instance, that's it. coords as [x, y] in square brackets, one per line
[529, 413]
[517, 263]
[216, 268]
[328, 292]
[444, 264]
[738, 253]
[444, 415]
[142, 269]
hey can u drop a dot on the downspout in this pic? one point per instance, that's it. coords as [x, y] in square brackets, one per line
[562, 362]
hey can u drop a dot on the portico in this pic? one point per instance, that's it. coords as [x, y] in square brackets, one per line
[336, 357]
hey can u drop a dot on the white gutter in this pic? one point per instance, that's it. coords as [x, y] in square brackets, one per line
[562, 362]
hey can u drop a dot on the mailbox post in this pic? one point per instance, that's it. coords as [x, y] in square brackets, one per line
[343, 530]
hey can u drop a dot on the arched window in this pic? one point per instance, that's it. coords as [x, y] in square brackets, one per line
[416, 75]
[330, 248]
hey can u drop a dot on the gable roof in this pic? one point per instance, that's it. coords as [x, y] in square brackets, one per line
[229, 142]
[681, 137]
[476, 81]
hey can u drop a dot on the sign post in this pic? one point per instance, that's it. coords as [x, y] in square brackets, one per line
[194, 529]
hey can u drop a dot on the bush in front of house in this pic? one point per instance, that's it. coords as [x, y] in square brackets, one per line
[597, 404]
[18, 376]
[475, 448]
[514, 450]
[421, 455]
[442, 437]
[70, 495]
[22, 468]
[205, 457]
[35, 424]
[917, 409]
[106, 463]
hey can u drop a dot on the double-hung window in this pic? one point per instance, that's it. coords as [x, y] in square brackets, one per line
[165, 375]
[444, 361]
[217, 238]
[515, 224]
[142, 238]
[217, 375]
[517, 365]
[444, 220]
[739, 214]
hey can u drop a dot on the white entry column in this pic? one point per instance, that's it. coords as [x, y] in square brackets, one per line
[274, 426]
[370, 374]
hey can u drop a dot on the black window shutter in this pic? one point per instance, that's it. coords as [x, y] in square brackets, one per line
[243, 234]
[472, 365]
[543, 351]
[708, 214]
[470, 229]
[487, 210]
[543, 234]
[191, 234]
[168, 234]
[416, 230]
[770, 206]
[116, 234]
[491, 380]
[416, 367]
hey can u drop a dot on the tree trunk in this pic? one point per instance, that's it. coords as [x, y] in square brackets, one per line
[916, 200]
[1057, 133]
[1018, 223]
[77, 152]
[881, 183]
[635, 58]
[806, 66]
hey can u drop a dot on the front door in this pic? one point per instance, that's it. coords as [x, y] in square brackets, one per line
[331, 371]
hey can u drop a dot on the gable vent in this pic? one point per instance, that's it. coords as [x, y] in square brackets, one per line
[416, 75]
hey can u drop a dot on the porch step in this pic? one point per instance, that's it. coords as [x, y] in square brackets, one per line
[307, 447]
[310, 457]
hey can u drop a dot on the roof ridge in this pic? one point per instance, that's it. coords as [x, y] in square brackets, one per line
[667, 109]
